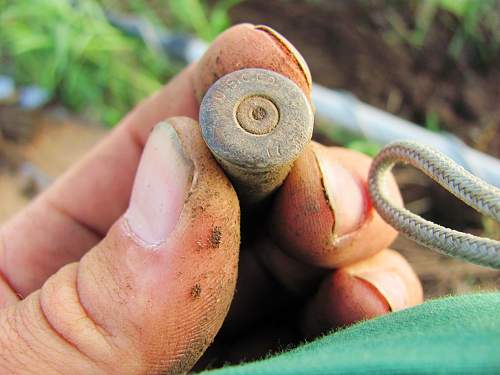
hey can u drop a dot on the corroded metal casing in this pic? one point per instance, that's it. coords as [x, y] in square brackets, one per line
[256, 123]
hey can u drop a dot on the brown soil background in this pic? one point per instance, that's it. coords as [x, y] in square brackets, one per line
[350, 45]
[346, 45]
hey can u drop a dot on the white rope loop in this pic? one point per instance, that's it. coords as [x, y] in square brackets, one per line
[473, 191]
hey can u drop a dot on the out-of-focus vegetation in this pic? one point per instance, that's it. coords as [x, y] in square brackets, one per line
[205, 19]
[354, 141]
[475, 25]
[70, 49]
[77, 56]
[194, 15]
[432, 122]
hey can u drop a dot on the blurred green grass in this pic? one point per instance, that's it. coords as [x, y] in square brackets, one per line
[70, 49]
[475, 25]
[88, 65]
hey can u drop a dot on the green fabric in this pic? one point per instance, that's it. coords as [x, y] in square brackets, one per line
[450, 335]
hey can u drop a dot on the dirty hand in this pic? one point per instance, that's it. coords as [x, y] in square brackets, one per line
[128, 264]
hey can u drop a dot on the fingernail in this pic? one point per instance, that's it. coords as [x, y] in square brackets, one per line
[249, 46]
[162, 182]
[389, 284]
[292, 51]
[392, 276]
[345, 192]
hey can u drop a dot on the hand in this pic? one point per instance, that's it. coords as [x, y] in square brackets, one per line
[128, 263]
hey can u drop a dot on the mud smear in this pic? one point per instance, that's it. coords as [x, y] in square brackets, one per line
[196, 291]
[216, 237]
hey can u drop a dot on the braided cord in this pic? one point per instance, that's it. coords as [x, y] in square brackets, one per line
[465, 186]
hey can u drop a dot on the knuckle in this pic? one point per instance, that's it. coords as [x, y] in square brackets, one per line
[10, 360]
[24, 344]
[66, 317]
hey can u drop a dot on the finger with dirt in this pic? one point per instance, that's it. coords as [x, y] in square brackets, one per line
[322, 215]
[375, 286]
[74, 214]
[150, 297]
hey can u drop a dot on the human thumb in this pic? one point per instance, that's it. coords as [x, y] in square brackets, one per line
[151, 296]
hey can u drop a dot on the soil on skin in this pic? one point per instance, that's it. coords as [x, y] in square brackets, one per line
[30, 163]
[346, 47]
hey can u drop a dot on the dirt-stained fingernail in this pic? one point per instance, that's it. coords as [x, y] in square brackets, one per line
[344, 191]
[392, 276]
[342, 300]
[248, 46]
[291, 50]
[162, 183]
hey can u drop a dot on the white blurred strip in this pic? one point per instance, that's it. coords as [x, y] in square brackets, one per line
[348, 113]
